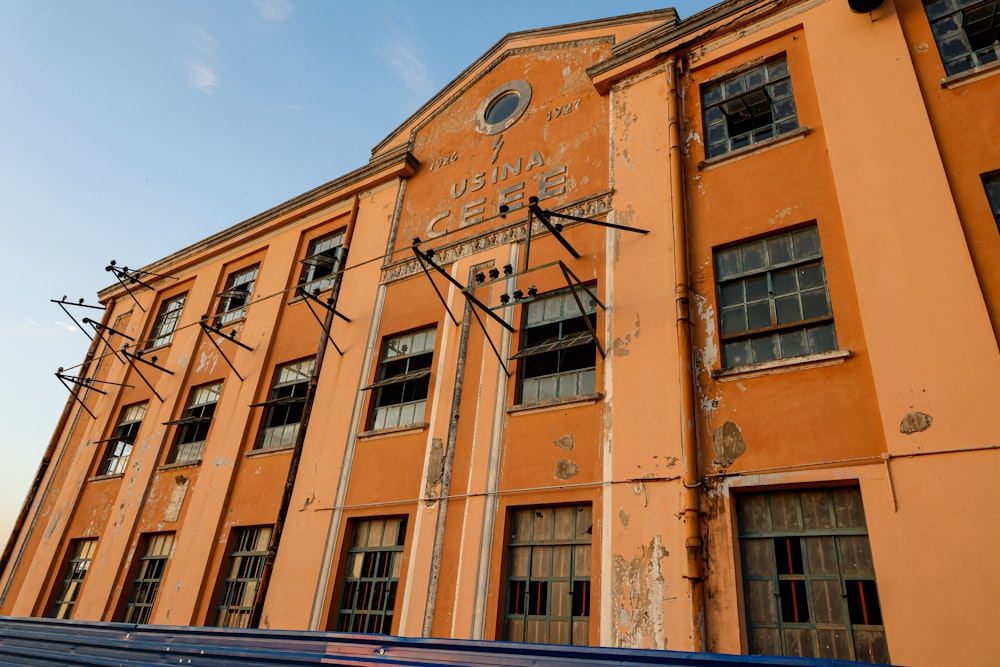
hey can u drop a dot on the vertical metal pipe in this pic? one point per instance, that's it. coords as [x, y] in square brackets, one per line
[293, 464]
[447, 468]
[689, 435]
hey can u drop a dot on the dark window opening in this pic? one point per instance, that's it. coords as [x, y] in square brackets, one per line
[286, 404]
[81, 552]
[165, 322]
[149, 573]
[234, 298]
[119, 446]
[321, 263]
[243, 573]
[862, 601]
[967, 33]
[403, 380]
[371, 577]
[991, 183]
[193, 427]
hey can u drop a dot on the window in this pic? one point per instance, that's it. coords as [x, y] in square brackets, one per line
[284, 407]
[991, 183]
[403, 379]
[233, 300]
[773, 299]
[120, 444]
[239, 589]
[548, 578]
[146, 584]
[166, 322]
[321, 262]
[80, 554]
[967, 32]
[748, 108]
[192, 428]
[558, 349]
[809, 577]
[374, 562]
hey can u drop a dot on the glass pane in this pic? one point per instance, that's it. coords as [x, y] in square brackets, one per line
[764, 641]
[753, 513]
[815, 304]
[793, 343]
[806, 243]
[816, 509]
[736, 353]
[731, 293]
[561, 561]
[849, 510]
[834, 644]
[821, 554]
[870, 646]
[519, 561]
[800, 642]
[822, 338]
[753, 256]
[581, 561]
[560, 601]
[756, 288]
[728, 263]
[764, 348]
[787, 310]
[828, 605]
[581, 633]
[784, 511]
[783, 282]
[758, 557]
[856, 556]
[758, 315]
[761, 602]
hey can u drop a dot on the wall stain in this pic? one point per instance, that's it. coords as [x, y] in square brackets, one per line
[566, 469]
[915, 422]
[637, 598]
[728, 443]
[620, 346]
[623, 517]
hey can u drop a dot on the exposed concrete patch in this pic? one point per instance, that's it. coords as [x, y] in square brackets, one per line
[728, 443]
[620, 346]
[922, 47]
[309, 501]
[623, 517]
[565, 442]
[566, 469]
[222, 461]
[435, 471]
[915, 422]
[173, 511]
[638, 589]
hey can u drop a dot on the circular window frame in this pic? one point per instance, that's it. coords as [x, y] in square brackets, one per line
[519, 87]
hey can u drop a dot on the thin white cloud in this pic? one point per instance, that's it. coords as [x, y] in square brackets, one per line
[202, 76]
[403, 52]
[202, 40]
[274, 11]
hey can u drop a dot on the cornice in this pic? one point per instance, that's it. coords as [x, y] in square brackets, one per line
[396, 163]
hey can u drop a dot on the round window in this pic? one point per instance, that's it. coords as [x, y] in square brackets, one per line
[503, 107]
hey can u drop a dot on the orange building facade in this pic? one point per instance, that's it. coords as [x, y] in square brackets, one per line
[641, 333]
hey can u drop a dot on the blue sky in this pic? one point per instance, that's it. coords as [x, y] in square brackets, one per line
[130, 129]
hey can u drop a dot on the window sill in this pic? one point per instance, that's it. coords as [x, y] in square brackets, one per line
[968, 76]
[147, 350]
[392, 431]
[182, 464]
[759, 147]
[254, 453]
[555, 404]
[298, 297]
[782, 365]
[101, 478]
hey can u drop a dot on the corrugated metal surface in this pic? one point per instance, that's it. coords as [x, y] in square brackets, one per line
[37, 641]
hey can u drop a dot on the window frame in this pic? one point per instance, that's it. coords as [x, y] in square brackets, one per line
[79, 557]
[168, 316]
[157, 549]
[190, 438]
[769, 75]
[378, 569]
[412, 384]
[244, 569]
[284, 399]
[322, 256]
[803, 266]
[940, 12]
[786, 571]
[118, 448]
[521, 577]
[235, 297]
[578, 310]
[991, 186]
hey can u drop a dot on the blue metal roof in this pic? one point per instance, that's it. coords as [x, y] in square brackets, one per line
[42, 641]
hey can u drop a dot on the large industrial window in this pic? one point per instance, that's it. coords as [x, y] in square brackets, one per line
[148, 574]
[991, 182]
[321, 262]
[809, 577]
[119, 446]
[166, 322]
[773, 298]
[77, 564]
[967, 32]
[548, 575]
[558, 350]
[239, 588]
[748, 108]
[285, 405]
[403, 380]
[371, 578]
[233, 299]
[192, 428]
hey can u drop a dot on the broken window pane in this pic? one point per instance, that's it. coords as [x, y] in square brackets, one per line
[967, 36]
[403, 380]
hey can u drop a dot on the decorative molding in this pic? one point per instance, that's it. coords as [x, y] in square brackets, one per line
[511, 232]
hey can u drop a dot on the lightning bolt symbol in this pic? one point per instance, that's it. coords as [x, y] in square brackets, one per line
[497, 145]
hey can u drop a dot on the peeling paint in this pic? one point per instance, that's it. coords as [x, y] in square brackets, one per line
[435, 471]
[638, 594]
[728, 443]
[308, 501]
[922, 47]
[565, 442]
[915, 422]
[620, 346]
[783, 213]
[222, 461]
[623, 517]
[208, 357]
[566, 469]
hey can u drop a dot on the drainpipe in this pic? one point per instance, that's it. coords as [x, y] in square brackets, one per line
[689, 436]
[46, 463]
[300, 438]
[447, 468]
